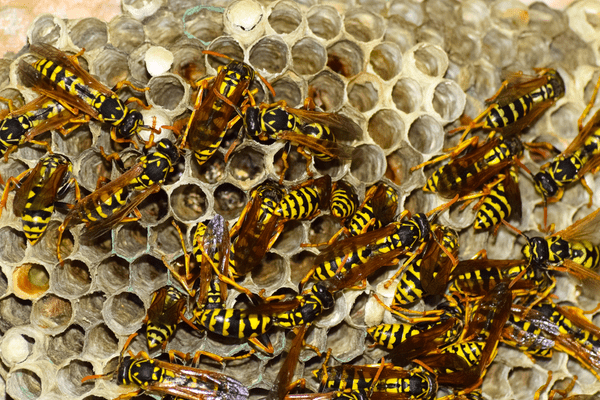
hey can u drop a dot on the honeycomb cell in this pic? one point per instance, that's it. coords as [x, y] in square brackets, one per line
[30, 281]
[89, 34]
[188, 202]
[564, 120]
[166, 238]
[12, 168]
[431, 60]
[448, 100]
[335, 168]
[386, 60]
[123, 313]
[95, 168]
[269, 54]
[69, 378]
[4, 71]
[345, 342]
[15, 244]
[532, 50]
[363, 95]
[229, 200]
[204, 26]
[224, 45]
[245, 19]
[11, 94]
[3, 284]
[364, 25]
[418, 201]
[323, 228]
[271, 272]
[368, 163]
[386, 128]
[399, 164]
[285, 17]
[167, 91]
[163, 28]
[14, 312]
[357, 312]
[158, 60]
[88, 308]
[324, 21]
[72, 279]
[148, 274]
[111, 67]
[52, 314]
[131, 240]
[18, 345]
[308, 56]
[571, 50]
[73, 144]
[287, 90]
[140, 9]
[431, 33]
[426, 134]
[399, 33]
[296, 162]
[546, 20]
[101, 342]
[498, 48]
[290, 238]
[188, 60]
[32, 152]
[95, 249]
[247, 166]
[23, 384]
[327, 90]
[411, 12]
[113, 274]
[211, 171]
[510, 15]
[346, 58]
[155, 208]
[475, 13]
[126, 33]
[46, 29]
[465, 44]
[407, 95]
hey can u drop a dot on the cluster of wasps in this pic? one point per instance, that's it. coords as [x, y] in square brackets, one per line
[483, 302]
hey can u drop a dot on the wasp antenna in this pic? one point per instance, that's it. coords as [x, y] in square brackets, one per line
[214, 53]
[440, 209]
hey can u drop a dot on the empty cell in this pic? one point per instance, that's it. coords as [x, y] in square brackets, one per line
[510, 15]
[426, 134]
[564, 120]
[101, 342]
[52, 314]
[46, 29]
[11, 94]
[154, 208]
[363, 96]
[400, 33]
[285, 17]
[327, 90]
[532, 50]
[345, 57]
[204, 25]
[301, 263]
[15, 244]
[131, 240]
[14, 312]
[148, 273]
[571, 50]
[448, 100]
[69, 378]
[96, 167]
[269, 54]
[296, 162]
[23, 384]
[386, 60]
[324, 21]
[89, 34]
[288, 91]
[431, 33]
[89, 307]
[124, 312]
[229, 200]
[368, 163]
[126, 33]
[407, 95]
[547, 20]
[335, 168]
[498, 48]
[247, 165]
[290, 237]
[163, 28]
[410, 11]
[75, 143]
[308, 56]
[30, 281]
[96, 248]
[167, 237]
[431, 60]
[345, 342]
[167, 91]
[364, 25]
[188, 60]
[72, 280]
[66, 345]
[270, 272]
[419, 201]
[113, 274]
[227, 46]
[386, 128]
[399, 164]
[111, 67]
[465, 44]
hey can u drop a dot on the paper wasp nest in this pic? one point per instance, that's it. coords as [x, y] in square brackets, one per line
[403, 70]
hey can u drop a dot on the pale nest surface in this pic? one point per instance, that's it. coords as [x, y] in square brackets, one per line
[403, 70]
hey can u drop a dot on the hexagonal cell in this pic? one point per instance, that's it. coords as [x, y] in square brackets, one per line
[203, 25]
[30, 281]
[188, 60]
[11, 94]
[368, 163]
[229, 200]
[532, 50]
[72, 279]
[399, 164]
[448, 100]
[154, 208]
[364, 25]
[418, 201]
[290, 238]
[148, 273]
[123, 313]
[113, 274]
[324, 21]
[75, 143]
[14, 312]
[166, 91]
[363, 96]
[166, 238]
[296, 162]
[327, 90]
[426, 134]
[308, 56]
[247, 165]
[89, 307]
[131, 240]
[46, 29]
[323, 228]
[431, 60]
[269, 54]
[95, 167]
[24, 384]
[498, 48]
[96, 248]
[270, 272]
[407, 95]
[66, 345]
[111, 67]
[17, 346]
[398, 32]
[15, 244]
[300, 264]
[69, 378]
[163, 28]
[564, 120]
[89, 34]
[346, 58]
[357, 312]
[523, 379]
[227, 46]
[345, 342]
[409, 11]
[386, 128]
[188, 202]
[126, 33]
[101, 342]
[334, 168]
[571, 50]
[3, 284]
[52, 314]
[211, 171]
[285, 17]
[288, 91]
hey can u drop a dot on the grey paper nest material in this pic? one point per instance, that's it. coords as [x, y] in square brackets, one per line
[402, 70]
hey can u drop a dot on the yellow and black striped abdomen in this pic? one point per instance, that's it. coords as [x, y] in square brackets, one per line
[389, 335]
[586, 254]
[469, 351]
[299, 204]
[343, 201]
[235, 323]
[409, 289]
[501, 116]
[108, 207]
[419, 384]
[494, 209]
[328, 268]
[527, 337]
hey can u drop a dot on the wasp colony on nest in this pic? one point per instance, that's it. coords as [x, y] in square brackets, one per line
[246, 188]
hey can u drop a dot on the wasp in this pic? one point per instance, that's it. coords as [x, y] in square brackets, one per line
[527, 337]
[344, 200]
[111, 204]
[306, 200]
[165, 311]
[520, 101]
[151, 375]
[60, 77]
[36, 192]
[502, 202]
[312, 131]
[25, 123]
